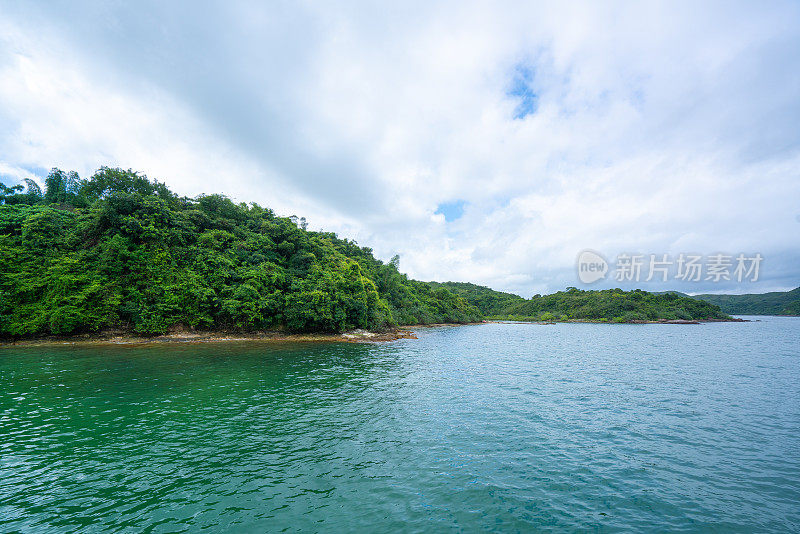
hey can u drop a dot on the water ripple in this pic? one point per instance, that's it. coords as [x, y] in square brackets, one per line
[491, 427]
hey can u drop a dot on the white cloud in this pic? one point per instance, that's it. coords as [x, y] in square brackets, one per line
[657, 127]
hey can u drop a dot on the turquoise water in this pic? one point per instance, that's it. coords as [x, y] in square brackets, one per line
[497, 427]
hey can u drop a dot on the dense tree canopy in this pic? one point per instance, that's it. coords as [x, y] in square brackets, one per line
[488, 301]
[120, 250]
[613, 305]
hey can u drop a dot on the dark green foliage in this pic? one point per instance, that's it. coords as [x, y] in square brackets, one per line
[119, 250]
[63, 188]
[488, 301]
[14, 194]
[791, 309]
[775, 303]
[613, 305]
[617, 305]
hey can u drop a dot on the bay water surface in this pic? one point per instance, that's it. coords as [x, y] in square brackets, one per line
[494, 427]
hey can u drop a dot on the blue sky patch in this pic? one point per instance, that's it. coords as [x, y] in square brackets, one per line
[451, 210]
[521, 89]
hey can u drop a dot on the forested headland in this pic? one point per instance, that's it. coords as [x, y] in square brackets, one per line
[608, 305]
[120, 251]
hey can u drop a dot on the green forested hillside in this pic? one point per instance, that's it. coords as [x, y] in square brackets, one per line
[119, 250]
[612, 305]
[775, 303]
[488, 301]
[615, 305]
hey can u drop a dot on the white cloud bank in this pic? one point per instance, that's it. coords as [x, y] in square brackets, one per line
[660, 128]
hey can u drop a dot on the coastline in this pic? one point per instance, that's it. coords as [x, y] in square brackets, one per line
[276, 336]
[269, 336]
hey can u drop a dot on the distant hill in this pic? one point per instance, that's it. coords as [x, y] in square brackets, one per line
[487, 300]
[612, 305]
[775, 303]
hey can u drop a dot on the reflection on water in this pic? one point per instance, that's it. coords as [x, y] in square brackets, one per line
[499, 427]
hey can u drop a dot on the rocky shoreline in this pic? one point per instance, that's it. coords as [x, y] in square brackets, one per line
[126, 338]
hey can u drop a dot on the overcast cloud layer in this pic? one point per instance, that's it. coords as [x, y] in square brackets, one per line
[482, 142]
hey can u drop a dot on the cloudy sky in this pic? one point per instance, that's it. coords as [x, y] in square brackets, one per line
[486, 142]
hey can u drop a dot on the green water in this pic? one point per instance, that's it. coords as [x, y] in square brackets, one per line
[499, 427]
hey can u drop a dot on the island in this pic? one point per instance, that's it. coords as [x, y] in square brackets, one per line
[575, 305]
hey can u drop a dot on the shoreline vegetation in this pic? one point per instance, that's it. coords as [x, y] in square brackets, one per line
[119, 256]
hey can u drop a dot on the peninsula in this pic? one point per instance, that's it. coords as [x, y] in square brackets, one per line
[120, 254]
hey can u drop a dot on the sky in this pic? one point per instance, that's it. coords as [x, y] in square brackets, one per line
[488, 142]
